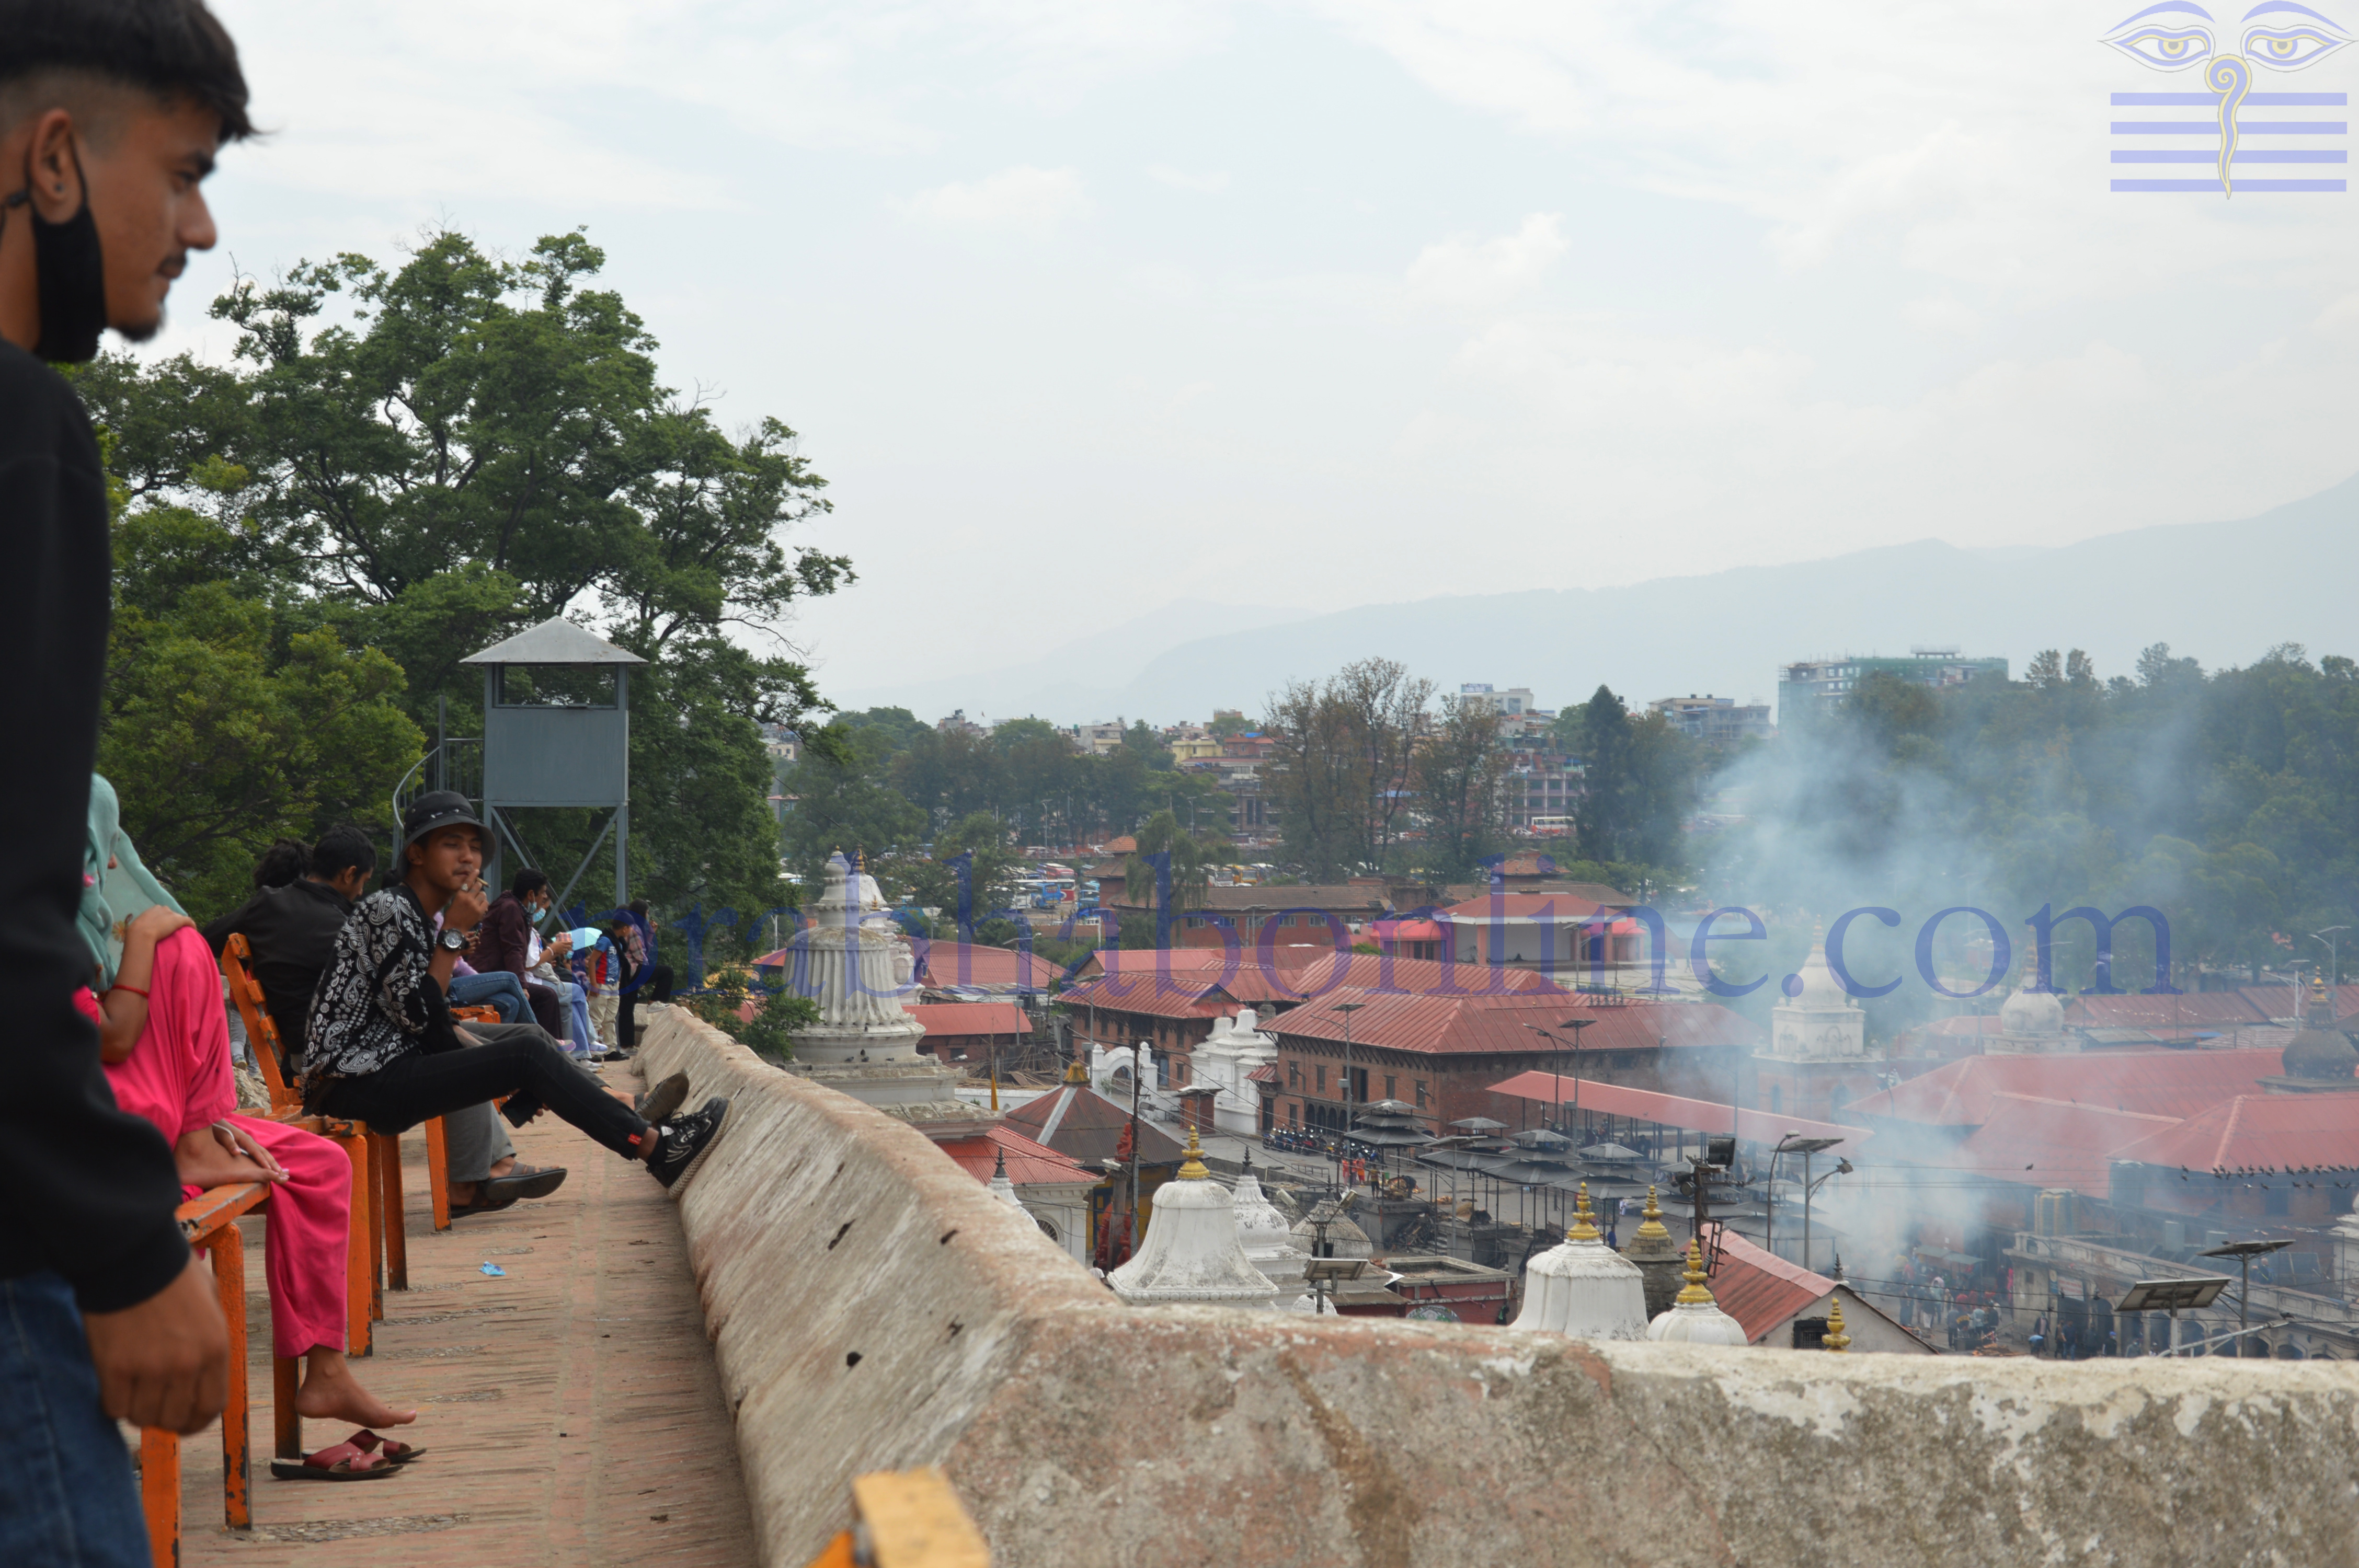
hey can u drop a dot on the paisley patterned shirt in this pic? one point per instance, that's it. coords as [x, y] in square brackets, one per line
[378, 1000]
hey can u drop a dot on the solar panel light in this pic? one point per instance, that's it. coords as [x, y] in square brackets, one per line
[1721, 1152]
[1334, 1268]
[2172, 1295]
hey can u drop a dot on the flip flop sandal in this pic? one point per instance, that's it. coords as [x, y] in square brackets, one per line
[481, 1204]
[523, 1182]
[342, 1463]
[395, 1451]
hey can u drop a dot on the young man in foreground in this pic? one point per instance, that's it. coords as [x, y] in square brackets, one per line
[383, 1049]
[111, 112]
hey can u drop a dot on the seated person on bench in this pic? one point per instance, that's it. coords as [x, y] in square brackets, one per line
[292, 932]
[165, 1043]
[382, 1048]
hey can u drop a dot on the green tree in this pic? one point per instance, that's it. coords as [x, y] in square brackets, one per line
[1460, 771]
[841, 797]
[420, 459]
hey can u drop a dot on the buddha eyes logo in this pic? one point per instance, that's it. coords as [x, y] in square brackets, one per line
[2156, 39]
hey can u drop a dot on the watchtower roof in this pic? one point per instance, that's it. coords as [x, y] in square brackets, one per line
[555, 641]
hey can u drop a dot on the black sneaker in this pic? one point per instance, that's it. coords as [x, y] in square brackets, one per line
[658, 1104]
[682, 1142]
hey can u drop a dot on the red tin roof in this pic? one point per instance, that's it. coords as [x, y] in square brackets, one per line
[1028, 1163]
[1446, 1025]
[2159, 1082]
[1674, 1110]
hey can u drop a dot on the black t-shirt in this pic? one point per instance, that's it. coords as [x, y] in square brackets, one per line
[94, 1187]
[292, 931]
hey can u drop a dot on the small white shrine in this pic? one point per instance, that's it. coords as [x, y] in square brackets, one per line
[1268, 1241]
[855, 962]
[1582, 1287]
[1192, 1252]
[1227, 1059]
[1820, 1021]
[2031, 1023]
[1695, 1318]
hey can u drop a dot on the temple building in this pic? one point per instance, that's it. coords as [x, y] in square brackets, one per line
[1818, 1061]
[1193, 1253]
[1583, 1288]
[1226, 1061]
[2320, 1059]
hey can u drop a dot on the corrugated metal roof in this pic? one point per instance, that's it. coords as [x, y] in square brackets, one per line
[1674, 1110]
[958, 1019]
[1181, 995]
[1028, 1163]
[980, 964]
[1444, 1025]
[2193, 1010]
[2259, 1133]
[2049, 1143]
[555, 641]
[1380, 974]
[1761, 1290]
[1562, 906]
[2160, 1083]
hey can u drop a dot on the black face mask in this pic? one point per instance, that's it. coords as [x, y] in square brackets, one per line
[71, 274]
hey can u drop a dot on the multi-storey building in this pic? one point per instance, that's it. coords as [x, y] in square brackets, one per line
[1714, 720]
[1819, 685]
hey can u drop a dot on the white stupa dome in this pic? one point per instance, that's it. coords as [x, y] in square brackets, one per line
[1191, 1252]
[1583, 1288]
[1820, 987]
[2032, 1013]
[1694, 1318]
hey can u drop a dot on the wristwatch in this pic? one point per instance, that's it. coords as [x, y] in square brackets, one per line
[451, 942]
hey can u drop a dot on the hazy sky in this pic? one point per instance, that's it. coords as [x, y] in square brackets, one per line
[1082, 307]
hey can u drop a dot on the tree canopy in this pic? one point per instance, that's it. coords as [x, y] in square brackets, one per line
[400, 466]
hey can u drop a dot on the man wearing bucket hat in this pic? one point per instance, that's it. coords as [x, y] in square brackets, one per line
[383, 1047]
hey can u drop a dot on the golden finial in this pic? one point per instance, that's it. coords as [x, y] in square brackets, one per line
[1583, 1230]
[1695, 1293]
[1836, 1339]
[1650, 1228]
[1193, 1170]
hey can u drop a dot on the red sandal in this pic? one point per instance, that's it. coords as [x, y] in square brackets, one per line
[342, 1463]
[395, 1451]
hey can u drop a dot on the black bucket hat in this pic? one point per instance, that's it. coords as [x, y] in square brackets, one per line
[435, 810]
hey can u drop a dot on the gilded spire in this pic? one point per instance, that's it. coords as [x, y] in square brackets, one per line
[1695, 1293]
[1836, 1339]
[1583, 1230]
[1193, 1169]
[1650, 1228]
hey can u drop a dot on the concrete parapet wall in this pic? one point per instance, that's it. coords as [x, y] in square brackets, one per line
[871, 1308]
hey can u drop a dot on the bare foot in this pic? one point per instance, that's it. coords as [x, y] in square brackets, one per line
[331, 1393]
[501, 1167]
[462, 1194]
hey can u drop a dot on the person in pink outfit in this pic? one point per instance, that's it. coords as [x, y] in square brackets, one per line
[164, 1039]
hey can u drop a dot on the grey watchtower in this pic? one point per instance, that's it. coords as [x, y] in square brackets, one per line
[557, 732]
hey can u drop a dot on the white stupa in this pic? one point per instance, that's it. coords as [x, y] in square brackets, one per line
[1268, 1241]
[1227, 1059]
[1694, 1317]
[2030, 1023]
[1191, 1252]
[1821, 1022]
[855, 963]
[1582, 1287]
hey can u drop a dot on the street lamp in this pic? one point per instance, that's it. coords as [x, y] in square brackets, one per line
[2333, 962]
[1347, 1008]
[1545, 1032]
[1794, 1144]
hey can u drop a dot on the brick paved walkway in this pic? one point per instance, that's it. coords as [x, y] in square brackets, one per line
[571, 1409]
